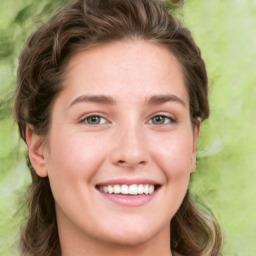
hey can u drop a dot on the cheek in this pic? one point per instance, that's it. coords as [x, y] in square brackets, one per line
[174, 155]
[174, 160]
[72, 164]
[73, 159]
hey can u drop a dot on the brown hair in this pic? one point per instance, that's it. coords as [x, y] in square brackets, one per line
[83, 24]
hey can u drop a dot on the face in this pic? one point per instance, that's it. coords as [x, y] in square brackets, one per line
[121, 147]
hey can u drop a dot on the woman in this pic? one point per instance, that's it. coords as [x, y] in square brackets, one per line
[110, 99]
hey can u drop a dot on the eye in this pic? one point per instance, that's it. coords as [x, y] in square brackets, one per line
[161, 119]
[94, 120]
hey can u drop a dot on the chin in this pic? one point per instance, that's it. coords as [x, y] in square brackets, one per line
[133, 237]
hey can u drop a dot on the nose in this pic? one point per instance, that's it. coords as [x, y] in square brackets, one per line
[129, 149]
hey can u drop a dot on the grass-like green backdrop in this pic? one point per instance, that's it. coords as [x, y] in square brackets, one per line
[226, 172]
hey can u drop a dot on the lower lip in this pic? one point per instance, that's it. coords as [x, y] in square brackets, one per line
[129, 201]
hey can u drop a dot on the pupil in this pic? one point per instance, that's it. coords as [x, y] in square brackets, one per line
[94, 119]
[159, 119]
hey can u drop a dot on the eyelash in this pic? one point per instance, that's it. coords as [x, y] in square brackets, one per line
[85, 119]
[102, 120]
[171, 120]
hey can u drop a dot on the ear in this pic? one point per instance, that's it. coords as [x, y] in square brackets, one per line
[196, 132]
[36, 145]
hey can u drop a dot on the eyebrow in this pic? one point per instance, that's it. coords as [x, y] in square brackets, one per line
[161, 99]
[108, 100]
[101, 99]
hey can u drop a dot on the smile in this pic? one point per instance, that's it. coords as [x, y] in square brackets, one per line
[133, 189]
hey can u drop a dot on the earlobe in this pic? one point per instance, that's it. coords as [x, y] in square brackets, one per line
[196, 132]
[35, 145]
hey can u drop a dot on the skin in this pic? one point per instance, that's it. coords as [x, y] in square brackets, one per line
[127, 143]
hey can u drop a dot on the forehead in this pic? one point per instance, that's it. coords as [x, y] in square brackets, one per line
[139, 67]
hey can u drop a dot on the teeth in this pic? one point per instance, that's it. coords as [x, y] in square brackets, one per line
[124, 189]
[110, 189]
[133, 189]
[146, 190]
[117, 189]
[140, 189]
[151, 189]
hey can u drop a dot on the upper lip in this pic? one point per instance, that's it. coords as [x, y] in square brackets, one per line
[128, 181]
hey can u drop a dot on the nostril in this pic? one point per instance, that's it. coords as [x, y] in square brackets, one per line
[126, 163]
[142, 162]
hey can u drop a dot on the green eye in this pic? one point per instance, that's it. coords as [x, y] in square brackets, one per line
[160, 119]
[94, 120]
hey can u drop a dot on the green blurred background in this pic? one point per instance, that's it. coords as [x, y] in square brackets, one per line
[226, 172]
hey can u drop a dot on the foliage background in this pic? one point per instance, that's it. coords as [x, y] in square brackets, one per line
[225, 176]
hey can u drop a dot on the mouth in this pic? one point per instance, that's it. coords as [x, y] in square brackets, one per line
[129, 193]
[128, 190]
